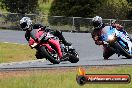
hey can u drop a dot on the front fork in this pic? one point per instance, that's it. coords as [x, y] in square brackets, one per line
[112, 45]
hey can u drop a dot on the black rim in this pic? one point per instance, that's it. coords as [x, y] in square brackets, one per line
[56, 57]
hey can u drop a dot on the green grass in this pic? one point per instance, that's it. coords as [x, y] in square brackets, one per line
[15, 52]
[59, 78]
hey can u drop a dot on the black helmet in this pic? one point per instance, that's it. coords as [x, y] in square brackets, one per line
[97, 22]
[25, 23]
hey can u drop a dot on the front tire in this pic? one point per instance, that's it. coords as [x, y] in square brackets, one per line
[48, 55]
[39, 55]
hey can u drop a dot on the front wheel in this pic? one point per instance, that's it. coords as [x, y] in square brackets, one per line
[123, 51]
[39, 55]
[53, 58]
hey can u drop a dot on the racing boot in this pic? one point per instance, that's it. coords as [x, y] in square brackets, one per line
[61, 37]
[65, 42]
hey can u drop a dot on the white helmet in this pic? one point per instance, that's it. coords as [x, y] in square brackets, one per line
[25, 23]
[97, 21]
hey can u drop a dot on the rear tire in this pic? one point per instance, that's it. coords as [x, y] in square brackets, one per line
[123, 50]
[48, 56]
[73, 57]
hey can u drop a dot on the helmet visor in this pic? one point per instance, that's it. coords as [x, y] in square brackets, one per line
[23, 25]
[96, 24]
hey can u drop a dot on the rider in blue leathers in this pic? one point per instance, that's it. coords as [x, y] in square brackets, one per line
[96, 35]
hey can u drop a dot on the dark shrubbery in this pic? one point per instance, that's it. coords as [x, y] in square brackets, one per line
[20, 6]
[73, 8]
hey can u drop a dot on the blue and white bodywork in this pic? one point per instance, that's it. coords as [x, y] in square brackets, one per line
[119, 40]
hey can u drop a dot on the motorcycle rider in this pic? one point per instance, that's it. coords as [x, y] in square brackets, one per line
[96, 35]
[26, 25]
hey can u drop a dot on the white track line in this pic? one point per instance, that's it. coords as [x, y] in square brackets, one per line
[23, 62]
[14, 43]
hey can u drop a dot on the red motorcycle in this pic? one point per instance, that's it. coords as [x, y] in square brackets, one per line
[50, 47]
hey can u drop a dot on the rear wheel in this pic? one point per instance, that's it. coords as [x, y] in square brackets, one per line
[52, 57]
[73, 57]
[123, 50]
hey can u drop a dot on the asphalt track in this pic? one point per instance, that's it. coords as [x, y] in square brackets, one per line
[89, 53]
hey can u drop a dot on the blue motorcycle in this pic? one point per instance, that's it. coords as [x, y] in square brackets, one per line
[119, 41]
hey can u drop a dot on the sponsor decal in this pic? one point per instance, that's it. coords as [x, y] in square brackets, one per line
[83, 78]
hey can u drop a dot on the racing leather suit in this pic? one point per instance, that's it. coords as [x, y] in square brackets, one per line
[34, 31]
[46, 29]
[96, 35]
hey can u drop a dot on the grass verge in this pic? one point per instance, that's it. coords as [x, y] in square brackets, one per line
[60, 78]
[15, 52]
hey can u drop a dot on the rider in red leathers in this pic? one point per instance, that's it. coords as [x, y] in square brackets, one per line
[32, 31]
